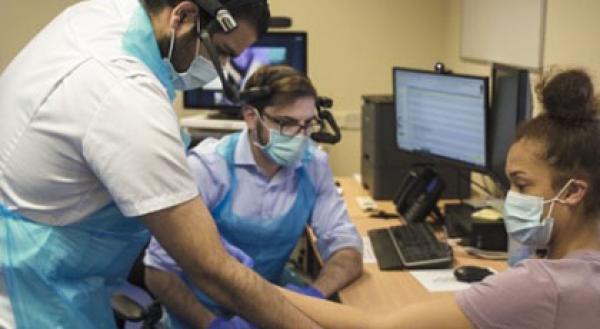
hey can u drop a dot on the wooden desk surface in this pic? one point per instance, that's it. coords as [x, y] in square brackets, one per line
[388, 290]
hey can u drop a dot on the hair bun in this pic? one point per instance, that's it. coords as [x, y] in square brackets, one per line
[569, 96]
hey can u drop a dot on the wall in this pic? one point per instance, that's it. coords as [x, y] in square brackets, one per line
[572, 29]
[570, 38]
[20, 20]
[352, 48]
[353, 45]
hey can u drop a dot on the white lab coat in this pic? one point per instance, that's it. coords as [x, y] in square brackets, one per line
[83, 124]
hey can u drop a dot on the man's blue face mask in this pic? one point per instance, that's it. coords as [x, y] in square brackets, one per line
[200, 72]
[283, 150]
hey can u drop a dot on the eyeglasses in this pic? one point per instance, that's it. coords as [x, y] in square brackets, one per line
[290, 127]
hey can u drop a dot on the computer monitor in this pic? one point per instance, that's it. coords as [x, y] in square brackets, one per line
[443, 116]
[511, 104]
[272, 48]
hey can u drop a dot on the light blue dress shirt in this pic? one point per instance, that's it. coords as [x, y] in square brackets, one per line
[257, 196]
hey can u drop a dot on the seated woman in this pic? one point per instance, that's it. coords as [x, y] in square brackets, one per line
[263, 187]
[554, 203]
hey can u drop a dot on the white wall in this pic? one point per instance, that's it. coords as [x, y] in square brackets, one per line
[353, 44]
[570, 38]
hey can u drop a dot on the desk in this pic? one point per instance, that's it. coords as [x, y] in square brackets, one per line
[202, 126]
[386, 291]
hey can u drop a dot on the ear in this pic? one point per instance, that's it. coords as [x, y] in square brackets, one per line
[576, 192]
[249, 114]
[183, 15]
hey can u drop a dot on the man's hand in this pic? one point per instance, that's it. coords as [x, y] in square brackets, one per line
[188, 233]
[343, 267]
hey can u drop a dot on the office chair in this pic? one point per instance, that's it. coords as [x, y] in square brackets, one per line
[133, 305]
[134, 308]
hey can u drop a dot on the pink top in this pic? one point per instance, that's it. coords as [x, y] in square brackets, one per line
[538, 293]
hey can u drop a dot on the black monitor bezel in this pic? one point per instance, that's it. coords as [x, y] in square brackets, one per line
[226, 108]
[524, 83]
[439, 158]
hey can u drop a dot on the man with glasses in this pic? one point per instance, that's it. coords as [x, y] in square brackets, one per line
[263, 186]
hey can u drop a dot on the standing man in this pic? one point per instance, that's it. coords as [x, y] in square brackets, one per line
[91, 158]
[263, 186]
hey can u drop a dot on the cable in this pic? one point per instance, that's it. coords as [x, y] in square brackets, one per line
[483, 188]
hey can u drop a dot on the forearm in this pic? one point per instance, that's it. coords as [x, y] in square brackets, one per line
[442, 312]
[187, 232]
[175, 295]
[434, 314]
[329, 314]
[344, 266]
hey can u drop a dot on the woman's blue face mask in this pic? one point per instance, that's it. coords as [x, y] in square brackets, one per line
[524, 221]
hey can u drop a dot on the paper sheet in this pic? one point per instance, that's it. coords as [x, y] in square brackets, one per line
[439, 280]
[368, 253]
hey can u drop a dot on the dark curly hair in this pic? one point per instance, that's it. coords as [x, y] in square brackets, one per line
[569, 129]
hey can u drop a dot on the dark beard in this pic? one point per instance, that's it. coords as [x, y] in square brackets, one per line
[186, 44]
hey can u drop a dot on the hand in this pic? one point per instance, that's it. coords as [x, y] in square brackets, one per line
[238, 253]
[307, 291]
[233, 323]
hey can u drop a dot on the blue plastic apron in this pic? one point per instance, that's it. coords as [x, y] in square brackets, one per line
[64, 276]
[268, 242]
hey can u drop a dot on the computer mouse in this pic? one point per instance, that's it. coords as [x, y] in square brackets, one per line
[469, 273]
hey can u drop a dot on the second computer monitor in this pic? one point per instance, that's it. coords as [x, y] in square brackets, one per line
[511, 104]
[442, 115]
[273, 48]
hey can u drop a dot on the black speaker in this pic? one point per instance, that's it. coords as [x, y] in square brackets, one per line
[280, 22]
[383, 164]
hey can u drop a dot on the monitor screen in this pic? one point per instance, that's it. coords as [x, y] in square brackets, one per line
[442, 115]
[511, 104]
[273, 48]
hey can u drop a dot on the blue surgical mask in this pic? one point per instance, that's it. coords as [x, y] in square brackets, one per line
[200, 72]
[523, 218]
[283, 150]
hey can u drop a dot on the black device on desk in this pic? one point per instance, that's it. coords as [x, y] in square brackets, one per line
[481, 234]
[470, 273]
[413, 245]
[418, 195]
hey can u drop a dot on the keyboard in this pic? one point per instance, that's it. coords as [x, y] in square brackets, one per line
[412, 246]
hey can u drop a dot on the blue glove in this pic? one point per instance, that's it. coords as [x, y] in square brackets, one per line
[238, 253]
[308, 290]
[233, 323]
